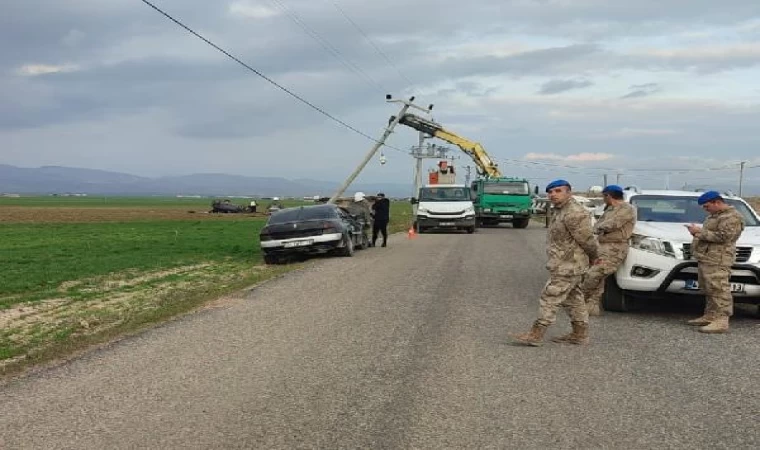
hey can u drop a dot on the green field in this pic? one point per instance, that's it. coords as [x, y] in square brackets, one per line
[65, 285]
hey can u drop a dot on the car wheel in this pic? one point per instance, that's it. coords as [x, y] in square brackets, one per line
[348, 247]
[521, 223]
[614, 298]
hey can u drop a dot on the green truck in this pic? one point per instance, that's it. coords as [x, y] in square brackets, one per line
[502, 200]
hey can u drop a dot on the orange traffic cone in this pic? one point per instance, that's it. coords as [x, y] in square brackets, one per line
[411, 234]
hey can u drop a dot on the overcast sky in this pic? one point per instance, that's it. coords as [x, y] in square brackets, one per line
[618, 85]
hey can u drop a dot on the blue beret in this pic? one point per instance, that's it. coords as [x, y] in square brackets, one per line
[613, 188]
[556, 184]
[708, 197]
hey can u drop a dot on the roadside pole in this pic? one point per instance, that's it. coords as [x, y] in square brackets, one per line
[741, 176]
[388, 130]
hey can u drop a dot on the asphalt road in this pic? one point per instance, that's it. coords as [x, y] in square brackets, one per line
[401, 347]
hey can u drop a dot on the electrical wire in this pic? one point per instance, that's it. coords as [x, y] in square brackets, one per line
[296, 18]
[370, 41]
[269, 80]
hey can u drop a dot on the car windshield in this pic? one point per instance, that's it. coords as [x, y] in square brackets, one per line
[301, 214]
[447, 194]
[663, 208]
[514, 188]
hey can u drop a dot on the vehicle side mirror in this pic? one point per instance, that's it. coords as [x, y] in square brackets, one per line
[413, 201]
[535, 189]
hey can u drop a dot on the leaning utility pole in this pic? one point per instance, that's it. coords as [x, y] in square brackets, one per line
[741, 176]
[467, 176]
[388, 130]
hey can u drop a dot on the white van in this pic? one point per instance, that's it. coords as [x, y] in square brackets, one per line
[447, 206]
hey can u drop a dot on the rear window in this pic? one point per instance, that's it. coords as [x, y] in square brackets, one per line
[301, 214]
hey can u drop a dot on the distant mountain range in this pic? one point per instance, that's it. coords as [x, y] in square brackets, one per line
[62, 180]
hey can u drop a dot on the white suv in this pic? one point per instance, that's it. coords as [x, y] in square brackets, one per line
[660, 260]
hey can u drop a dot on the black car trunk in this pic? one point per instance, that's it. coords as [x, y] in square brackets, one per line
[302, 229]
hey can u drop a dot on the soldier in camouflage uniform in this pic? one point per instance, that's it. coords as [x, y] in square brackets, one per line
[613, 231]
[714, 247]
[570, 248]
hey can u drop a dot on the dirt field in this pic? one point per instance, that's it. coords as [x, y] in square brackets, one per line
[26, 214]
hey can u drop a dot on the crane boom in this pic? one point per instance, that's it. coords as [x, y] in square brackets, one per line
[486, 166]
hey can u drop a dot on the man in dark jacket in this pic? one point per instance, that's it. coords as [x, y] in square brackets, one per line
[381, 212]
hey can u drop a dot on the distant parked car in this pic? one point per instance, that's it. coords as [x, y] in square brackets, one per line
[313, 229]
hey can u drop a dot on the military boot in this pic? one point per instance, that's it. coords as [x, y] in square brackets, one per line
[705, 319]
[578, 336]
[719, 325]
[534, 337]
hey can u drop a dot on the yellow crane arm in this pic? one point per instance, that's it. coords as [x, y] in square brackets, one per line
[474, 150]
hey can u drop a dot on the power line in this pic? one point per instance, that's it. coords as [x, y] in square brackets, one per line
[269, 80]
[370, 41]
[295, 18]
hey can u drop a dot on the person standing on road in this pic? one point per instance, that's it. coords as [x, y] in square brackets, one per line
[360, 207]
[714, 247]
[570, 248]
[613, 230]
[381, 213]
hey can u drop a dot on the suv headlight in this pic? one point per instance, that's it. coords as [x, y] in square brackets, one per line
[469, 210]
[653, 245]
[422, 211]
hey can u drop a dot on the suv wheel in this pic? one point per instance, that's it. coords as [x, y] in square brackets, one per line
[614, 299]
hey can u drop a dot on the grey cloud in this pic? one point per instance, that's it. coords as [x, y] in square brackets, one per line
[531, 62]
[642, 90]
[557, 86]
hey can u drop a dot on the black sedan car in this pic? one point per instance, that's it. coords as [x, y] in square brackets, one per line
[311, 230]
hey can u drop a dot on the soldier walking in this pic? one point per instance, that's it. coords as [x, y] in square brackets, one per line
[714, 247]
[571, 248]
[613, 230]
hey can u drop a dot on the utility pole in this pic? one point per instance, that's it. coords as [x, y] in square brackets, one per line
[467, 176]
[741, 176]
[418, 167]
[388, 130]
[617, 179]
[605, 181]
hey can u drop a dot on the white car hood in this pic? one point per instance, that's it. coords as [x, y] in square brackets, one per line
[677, 232]
[446, 207]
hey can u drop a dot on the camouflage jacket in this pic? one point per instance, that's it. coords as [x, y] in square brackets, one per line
[616, 224]
[362, 210]
[570, 240]
[715, 243]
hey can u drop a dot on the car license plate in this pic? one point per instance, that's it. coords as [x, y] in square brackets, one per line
[292, 244]
[447, 224]
[506, 216]
[693, 285]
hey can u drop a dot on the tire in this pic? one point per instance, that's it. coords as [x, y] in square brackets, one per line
[521, 223]
[614, 298]
[348, 248]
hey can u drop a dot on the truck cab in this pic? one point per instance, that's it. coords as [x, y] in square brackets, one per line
[444, 206]
[502, 200]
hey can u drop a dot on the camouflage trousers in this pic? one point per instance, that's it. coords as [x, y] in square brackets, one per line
[564, 291]
[593, 281]
[714, 282]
